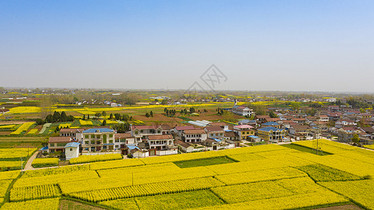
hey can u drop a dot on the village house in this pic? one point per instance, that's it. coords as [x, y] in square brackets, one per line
[75, 133]
[248, 122]
[184, 146]
[180, 129]
[301, 132]
[272, 134]
[123, 139]
[97, 139]
[323, 118]
[194, 136]
[215, 132]
[244, 131]
[343, 123]
[346, 134]
[57, 144]
[262, 118]
[72, 150]
[160, 142]
[140, 131]
[334, 116]
[232, 137]
[242, 110]
[223, 125]
[271, 124]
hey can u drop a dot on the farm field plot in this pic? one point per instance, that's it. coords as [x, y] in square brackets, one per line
[45, 162]
[184, 200]
[44, 204]
[148, 189]
[95, 158]
[361, 191]
[204, 162]
[34, 192]
[15, 153]
[258, 177]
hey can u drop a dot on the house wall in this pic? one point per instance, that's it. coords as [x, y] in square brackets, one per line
[71, 152]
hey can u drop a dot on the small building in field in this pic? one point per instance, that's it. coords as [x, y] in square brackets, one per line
[57, 144]
[184, 146]
[72, 150]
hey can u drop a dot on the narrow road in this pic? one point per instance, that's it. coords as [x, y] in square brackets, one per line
[28, 165]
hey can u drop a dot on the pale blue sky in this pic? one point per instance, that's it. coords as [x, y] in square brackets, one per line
[260, 45]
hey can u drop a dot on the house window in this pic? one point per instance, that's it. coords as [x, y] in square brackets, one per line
[86, 136]
[110, 135]
[92, 136]
[87, 142]
[71, 149]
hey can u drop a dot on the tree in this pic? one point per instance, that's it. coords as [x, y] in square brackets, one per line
[63, 117]
[111, 116]
[84, 117]
[103, 114]
[88, 117]
[56, 117]
[39, 121]
[355, 139]
[147, 114]
[272, 115]
[151, 114]
[192, 110]
[104, 123]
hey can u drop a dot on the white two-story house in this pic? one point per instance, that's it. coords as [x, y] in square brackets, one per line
[97, 139]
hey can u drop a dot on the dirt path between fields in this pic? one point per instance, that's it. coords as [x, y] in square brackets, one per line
[28, 165]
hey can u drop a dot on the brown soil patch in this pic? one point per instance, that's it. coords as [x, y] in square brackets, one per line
[74, 205]
[344, 207]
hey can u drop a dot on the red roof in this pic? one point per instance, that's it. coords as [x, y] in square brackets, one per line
[159, 137]
[122, 135]
[197, 131]
[60, 139]
[182, 128]
[144, 127]
[213, 128]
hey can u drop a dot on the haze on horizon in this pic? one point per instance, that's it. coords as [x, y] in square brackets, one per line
[259, 45]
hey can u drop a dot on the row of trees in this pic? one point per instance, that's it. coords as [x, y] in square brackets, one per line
[149, 114]
[122, 127]
[55, 117]
[172, 112]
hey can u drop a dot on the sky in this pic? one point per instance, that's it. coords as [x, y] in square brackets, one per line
[300, 45]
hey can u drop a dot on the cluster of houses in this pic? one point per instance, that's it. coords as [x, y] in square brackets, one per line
[152, 140]
[145, 140]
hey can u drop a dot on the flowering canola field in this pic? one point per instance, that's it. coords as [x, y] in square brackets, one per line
[264, 177]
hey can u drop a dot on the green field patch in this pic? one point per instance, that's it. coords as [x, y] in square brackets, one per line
[306, 149]
[183, 200]
[204, 162]
[322, 173]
